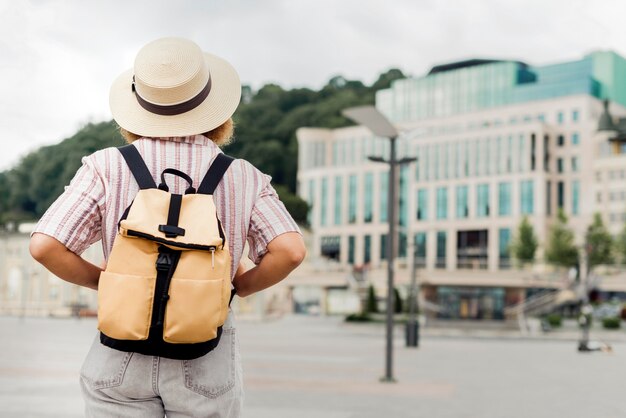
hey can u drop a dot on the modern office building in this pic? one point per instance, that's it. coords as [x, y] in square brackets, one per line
[496, 141]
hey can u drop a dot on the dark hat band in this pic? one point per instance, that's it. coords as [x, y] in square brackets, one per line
[176, 109]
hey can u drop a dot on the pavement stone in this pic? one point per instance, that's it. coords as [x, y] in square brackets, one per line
[309, 367]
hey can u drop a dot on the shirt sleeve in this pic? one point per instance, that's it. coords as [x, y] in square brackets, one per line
[75, 217]
[269, 219]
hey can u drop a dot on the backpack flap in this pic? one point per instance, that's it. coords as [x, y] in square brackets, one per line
[178, 221]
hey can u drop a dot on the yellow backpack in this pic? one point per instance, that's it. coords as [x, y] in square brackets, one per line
[166, 289]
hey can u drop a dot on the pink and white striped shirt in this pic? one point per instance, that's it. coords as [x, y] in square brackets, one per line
[91, 206]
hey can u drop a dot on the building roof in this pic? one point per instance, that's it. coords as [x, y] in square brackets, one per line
[465, 64]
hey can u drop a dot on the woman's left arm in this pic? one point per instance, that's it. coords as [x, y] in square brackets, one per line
[68, 266]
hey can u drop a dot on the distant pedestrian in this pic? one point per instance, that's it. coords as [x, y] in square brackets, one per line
[175, 108]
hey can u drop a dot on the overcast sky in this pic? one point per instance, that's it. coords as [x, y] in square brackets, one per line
[58, 58]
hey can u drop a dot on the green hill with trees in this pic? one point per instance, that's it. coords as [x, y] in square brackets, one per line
[265, 126]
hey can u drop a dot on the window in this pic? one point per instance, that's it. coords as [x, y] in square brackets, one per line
[368, 203]
[462, 207]
[420, 249]
[575, 197]
[559, 165]
[384, 187]
[546, 153]
[311, 200]
[575, 166]
[402, 245]
[338, 197]
[560, 140]
[324, 201]
[367, 249]
[559, 118]
[383, 247]
[504, 240]
[422, 204]
[352, 185]
[575, 115]
[482, 200]
[533, 150]
[527, 198]
[575, 138]
[442, 203]
[504, 199]
[440, 262]
[403, 210]
[351, 249]
[549, 198]
[560, 194]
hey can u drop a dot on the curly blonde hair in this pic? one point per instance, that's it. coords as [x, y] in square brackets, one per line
[221, 136]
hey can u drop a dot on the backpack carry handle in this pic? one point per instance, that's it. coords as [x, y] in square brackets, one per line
[163, 185]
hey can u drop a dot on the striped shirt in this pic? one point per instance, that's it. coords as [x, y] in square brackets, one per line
[90, 207]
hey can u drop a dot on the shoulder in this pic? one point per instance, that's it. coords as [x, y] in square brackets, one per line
[249, 176]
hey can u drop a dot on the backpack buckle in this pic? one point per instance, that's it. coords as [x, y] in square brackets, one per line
[164, 262]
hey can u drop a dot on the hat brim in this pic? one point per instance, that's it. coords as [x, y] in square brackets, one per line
[216, 109]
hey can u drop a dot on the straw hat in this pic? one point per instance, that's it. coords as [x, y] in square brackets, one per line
[174, 89]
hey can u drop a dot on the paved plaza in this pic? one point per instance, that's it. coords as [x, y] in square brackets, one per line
[310, 367]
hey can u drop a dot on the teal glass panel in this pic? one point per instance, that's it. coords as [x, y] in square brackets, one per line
[367, 249]
[310, 214]
[352, 198]
[351, 245]
[384, 190]
[338, 198]
[403, 212]
[504, 199]
[383, 247]
[482, 200]
[368, 204]
[422, 204]
[527, 197]
[462, 205]
[442, 203]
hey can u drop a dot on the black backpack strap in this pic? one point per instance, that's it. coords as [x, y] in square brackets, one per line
[137, 167]
[215, 173]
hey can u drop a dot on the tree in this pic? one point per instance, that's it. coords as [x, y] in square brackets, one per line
[525, 244]
[371, 304]
[599, 244]
[561, 249]
[398, 301]
[620, 245]
[297, 207]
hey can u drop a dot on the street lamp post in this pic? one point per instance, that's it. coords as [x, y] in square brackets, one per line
[376, 122]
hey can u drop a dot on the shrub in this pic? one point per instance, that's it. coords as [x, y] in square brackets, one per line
[555, 320]
[371, 304]
[611, 322]
[358, 317]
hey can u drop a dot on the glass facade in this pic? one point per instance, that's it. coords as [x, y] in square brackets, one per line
[352, 198]
[422, 204]
[442, 203]
[527, 197]
[482, 200]
[460, 88]
[504, 199]
[338, 197]
[462, 205]
[367, 249]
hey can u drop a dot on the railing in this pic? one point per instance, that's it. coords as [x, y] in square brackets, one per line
[472, 263]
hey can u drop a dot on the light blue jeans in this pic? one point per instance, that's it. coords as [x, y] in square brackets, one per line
[120, 384]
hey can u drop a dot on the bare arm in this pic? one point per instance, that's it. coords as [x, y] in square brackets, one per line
[62, 262]
[284, 254]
